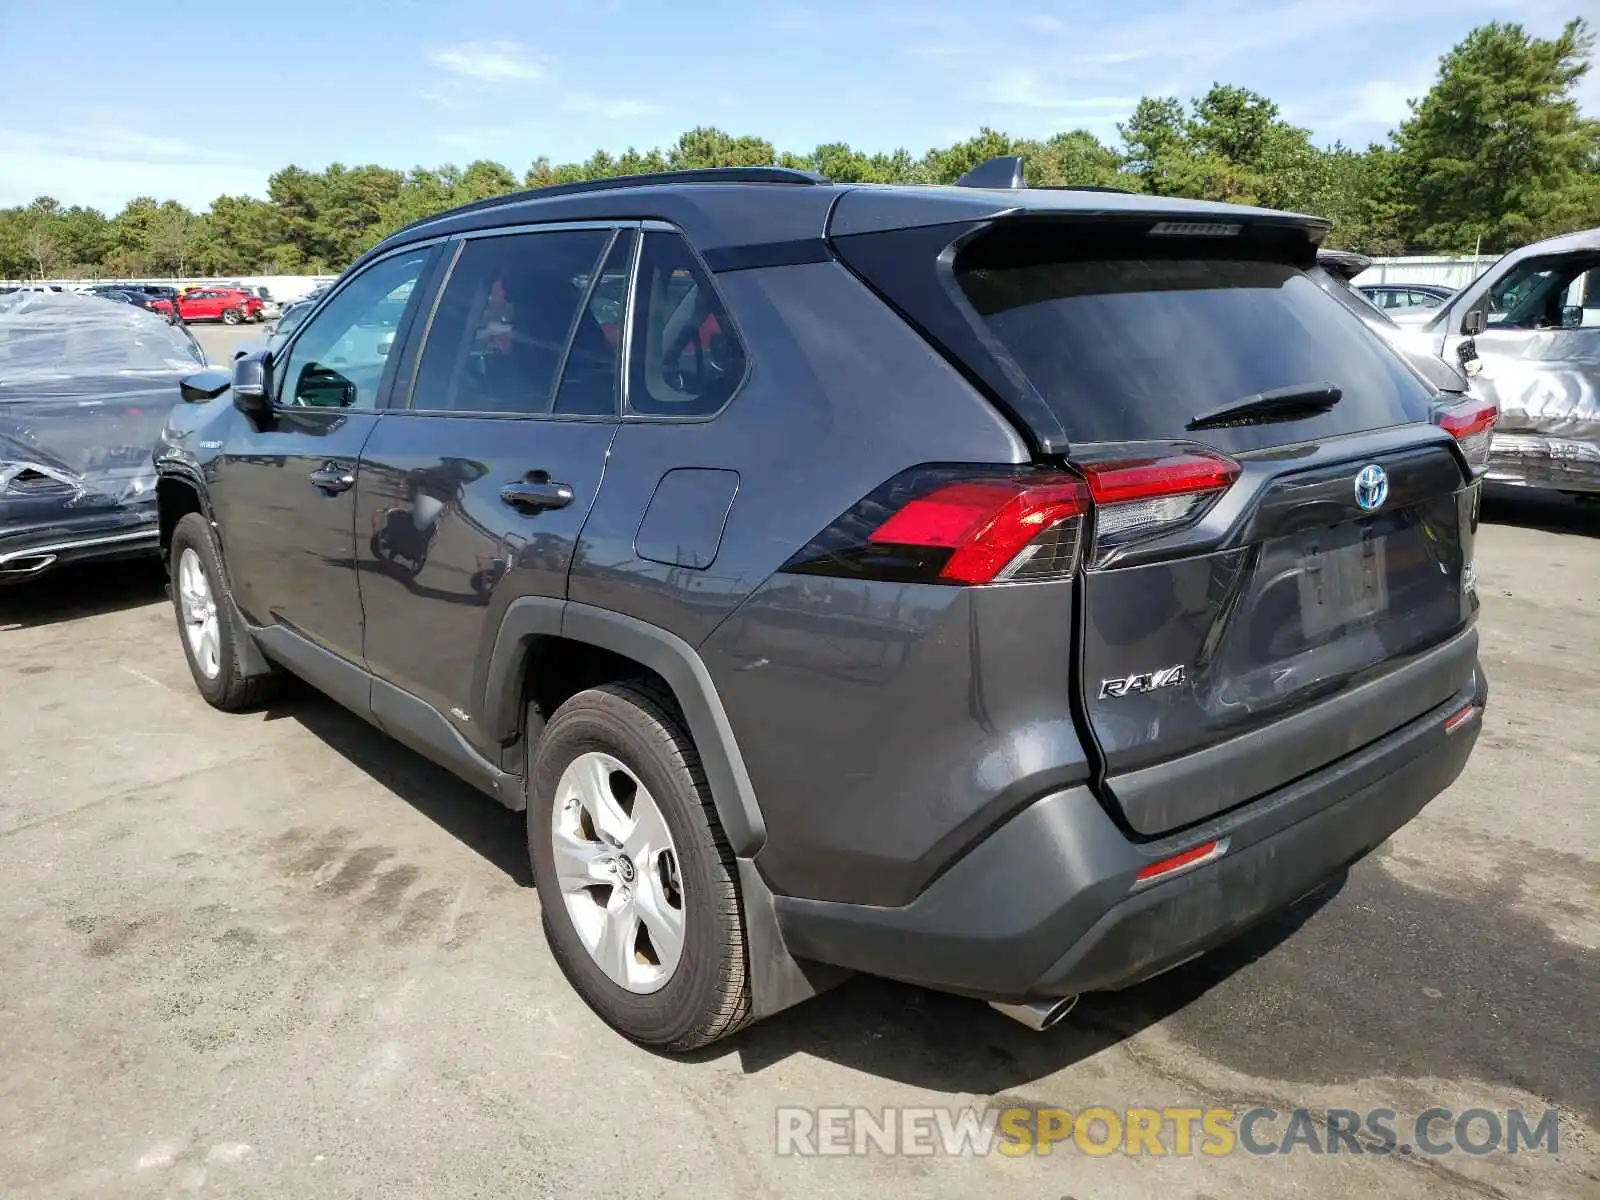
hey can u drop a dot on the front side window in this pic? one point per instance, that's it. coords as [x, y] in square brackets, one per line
[337, 360]
[504, 322]
[1533, 294]
[687, 360]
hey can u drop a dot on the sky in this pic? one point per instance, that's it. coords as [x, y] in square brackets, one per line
[106, 100]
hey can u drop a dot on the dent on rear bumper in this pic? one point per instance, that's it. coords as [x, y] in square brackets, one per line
[1545, 461]
[1045, 906]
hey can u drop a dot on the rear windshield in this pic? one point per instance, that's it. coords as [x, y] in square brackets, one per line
[1127, 340]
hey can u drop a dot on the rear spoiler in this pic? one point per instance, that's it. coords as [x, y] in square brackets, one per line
[1343, 264]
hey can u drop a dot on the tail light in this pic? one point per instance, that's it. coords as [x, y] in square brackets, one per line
[976, 525]
[1137, 498]
[1472, 425]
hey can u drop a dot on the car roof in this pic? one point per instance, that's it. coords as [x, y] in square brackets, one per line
[752, 216]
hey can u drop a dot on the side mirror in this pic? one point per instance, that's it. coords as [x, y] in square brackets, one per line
[252, 378]
[1472, 323]
[1572, 316]
[201, 386]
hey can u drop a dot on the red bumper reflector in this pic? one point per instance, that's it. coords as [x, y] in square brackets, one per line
[1457, 719]
[1183, 860]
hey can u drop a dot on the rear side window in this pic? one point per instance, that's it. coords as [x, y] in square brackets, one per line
[1126, 340]
[687, 360]
[504, 321]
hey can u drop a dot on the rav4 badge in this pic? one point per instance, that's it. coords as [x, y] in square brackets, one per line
[1145, 681]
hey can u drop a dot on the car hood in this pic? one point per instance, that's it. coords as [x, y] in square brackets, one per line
[80, 445]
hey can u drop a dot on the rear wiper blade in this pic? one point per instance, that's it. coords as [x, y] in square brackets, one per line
[1279, 404]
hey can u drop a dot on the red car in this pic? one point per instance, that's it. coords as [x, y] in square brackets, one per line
[228, 305]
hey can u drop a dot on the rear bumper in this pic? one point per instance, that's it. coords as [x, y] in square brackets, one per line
[27, 553]
[1047, 905]
[1541, 461]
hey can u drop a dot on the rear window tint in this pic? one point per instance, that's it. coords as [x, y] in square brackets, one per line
[1124, 346]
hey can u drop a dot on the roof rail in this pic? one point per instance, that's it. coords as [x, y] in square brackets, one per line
[781, 175]
[1002, 171]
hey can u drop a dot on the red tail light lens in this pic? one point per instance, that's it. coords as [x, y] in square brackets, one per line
[988, 525]
[976, 525]
[956, 525]
[1472, 425]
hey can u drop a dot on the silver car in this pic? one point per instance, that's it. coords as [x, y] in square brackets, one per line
[1528, 331]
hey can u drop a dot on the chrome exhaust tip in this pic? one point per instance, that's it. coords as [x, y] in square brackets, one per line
[26, 564]
[1040, 1015]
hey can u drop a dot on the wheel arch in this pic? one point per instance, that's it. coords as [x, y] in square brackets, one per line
[535, 620]
[778, 980]
[180, 492]
[177, 494]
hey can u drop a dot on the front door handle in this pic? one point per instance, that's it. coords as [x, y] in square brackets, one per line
[536, 493]
[333, 479]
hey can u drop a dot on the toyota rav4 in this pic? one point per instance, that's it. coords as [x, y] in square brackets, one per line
[1014, 592]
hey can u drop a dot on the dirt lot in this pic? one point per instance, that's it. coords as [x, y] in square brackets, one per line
[276, 955]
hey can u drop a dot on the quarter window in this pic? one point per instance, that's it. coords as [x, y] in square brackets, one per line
[589, 381]
[508, 312]
[687, 359]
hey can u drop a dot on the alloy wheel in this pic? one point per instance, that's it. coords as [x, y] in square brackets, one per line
[199, 611]
[618, 873]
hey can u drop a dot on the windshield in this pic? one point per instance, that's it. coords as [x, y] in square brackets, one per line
[1133, 345]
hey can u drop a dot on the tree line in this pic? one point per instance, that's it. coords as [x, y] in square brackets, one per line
[1496, 154]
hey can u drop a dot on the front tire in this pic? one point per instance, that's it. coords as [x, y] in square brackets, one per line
[637, 884]
[208, 624]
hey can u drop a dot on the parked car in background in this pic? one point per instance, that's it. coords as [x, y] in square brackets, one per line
[85, 387]
[231, 306]
[1012, 592]
[1528, 330]
[295, 311]
[128, 295]
[1394, 297]
[1334, 271]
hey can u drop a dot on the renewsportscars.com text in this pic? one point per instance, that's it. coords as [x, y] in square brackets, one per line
[1211, 1132]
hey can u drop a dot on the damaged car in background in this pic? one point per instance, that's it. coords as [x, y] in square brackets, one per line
[1334, 273]
[1528, 332]
[85, 387]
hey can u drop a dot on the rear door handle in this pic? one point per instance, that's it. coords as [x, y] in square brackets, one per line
[331, 478]
[536, 493]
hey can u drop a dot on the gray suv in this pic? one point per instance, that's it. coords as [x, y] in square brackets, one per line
[1013, 592]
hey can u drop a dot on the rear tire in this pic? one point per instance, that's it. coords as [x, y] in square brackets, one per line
[705, 995]
[211, 641]
[230, 316]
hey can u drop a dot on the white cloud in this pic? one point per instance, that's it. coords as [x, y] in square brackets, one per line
[934, 51]
[796, 20]
[111, 141]
[1364, 110]
[478, 140]
[103, 166]
[489, 63]
[1044, 23]
[610, 107]
[1028, 89]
